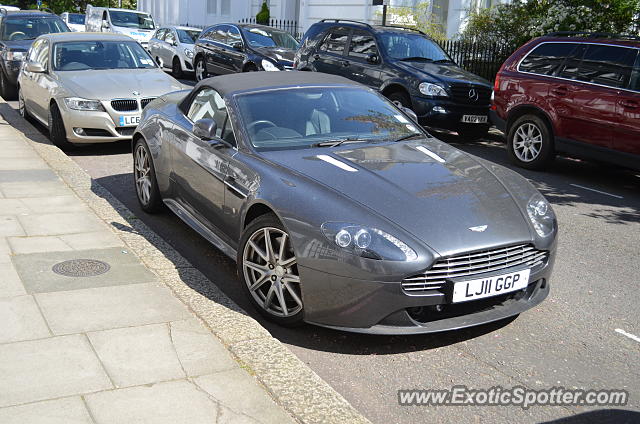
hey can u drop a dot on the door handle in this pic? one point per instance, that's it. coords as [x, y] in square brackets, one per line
[345, 63]
[560, 90]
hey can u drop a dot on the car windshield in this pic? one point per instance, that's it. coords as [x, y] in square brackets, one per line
[306, 117]
[188, 36]
[85, 55]
[262, 37]
[76, 18]
[28, 28]
[412, 46]
[131, 20]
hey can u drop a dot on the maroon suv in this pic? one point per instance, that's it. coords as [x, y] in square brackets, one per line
[578, 95]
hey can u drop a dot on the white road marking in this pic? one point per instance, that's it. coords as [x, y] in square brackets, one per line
[631, 336]
[336, 162]
[430, 154]
[597, 191]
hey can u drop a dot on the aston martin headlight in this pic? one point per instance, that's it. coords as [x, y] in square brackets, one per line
[541, 215]
[188, 53]
[9, 55]
[268, 65]
[432, 90]
[77, 103]
[367, 242]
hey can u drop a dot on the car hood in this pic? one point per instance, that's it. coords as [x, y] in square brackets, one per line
[18, 45]
[442, 72]
[278, 54]
[437, 202]
[118, 83]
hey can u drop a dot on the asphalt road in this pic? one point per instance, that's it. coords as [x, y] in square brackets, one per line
[569, 340]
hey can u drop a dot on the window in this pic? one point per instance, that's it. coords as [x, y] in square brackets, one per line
[170, 38]
[269, 37]
[634, 83]
[212, 7]
[83, 55]
[132, 20]
[335, 42]
[160, 34]
[28, 28]
[607, 65]
[233, 36]
[208, 104]
[362, 45]
[546, 58]
[407, 46]
[219, 34]
[42, 55]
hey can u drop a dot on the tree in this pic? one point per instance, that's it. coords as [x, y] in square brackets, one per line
[420, 17]
[263, 16]
[517, 22]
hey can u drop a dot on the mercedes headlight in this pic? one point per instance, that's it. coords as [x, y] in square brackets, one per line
[267, 65]
[9, 55]
[188, 53]
[432, 90]
[367, 242]
[77, 103]
[541, 215]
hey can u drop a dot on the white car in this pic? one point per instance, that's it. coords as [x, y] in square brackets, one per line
[75, 21]
[137, 25]
[172, 48]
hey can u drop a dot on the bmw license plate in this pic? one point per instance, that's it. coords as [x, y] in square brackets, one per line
[474, 119]
[491, 286]
[129, 120]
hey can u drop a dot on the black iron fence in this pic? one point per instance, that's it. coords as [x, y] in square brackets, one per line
[481, 59]
[290, 26]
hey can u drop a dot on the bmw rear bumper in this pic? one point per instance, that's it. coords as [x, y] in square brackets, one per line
[384, 308]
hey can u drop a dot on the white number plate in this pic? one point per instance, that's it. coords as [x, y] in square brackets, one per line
[490, 286]
[129, 120]
[474, 119]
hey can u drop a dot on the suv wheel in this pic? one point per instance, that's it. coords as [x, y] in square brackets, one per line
[399, 99]
[201, 70]
[530, 142]
[8, 91]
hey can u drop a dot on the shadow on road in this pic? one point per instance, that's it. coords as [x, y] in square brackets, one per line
[602, 416]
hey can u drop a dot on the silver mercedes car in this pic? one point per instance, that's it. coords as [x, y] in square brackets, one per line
[339, 210]
[89, 87]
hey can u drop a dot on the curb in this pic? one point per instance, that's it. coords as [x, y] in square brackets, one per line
[291, 383]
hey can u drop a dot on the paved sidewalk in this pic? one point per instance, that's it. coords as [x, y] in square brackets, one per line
[114, 347]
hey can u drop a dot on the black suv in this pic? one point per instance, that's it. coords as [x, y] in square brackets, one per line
[230, 48]
[406, 66]
[17, 32]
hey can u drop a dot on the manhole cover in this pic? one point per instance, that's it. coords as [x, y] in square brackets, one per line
[81, 268]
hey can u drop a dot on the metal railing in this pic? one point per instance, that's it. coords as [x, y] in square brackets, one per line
[290, 26]
[481, 59]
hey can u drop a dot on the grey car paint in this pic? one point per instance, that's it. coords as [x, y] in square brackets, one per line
[428, 204]
[165, 52]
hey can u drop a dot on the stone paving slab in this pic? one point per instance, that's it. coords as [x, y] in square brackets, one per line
[60, 223]
[21, 320]
[23, 164]
[53, 204]
[137, 355]
[24, 189]
[59, 411]
[35, 270]
[10, 284]
[35, 175]
[103, 308]
[10, 226]
[49, 368]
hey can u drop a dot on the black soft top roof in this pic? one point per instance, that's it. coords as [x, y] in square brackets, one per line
[250, 81]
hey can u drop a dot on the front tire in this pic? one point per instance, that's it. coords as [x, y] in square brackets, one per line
[176, 69]
[8, 91]
[200, 69]
[144, 174]
[22, 107]
[400, 99]
[530, 143]
[57, 132]
[268, 270]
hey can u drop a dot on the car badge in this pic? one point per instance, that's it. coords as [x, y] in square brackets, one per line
[473, 95]
[136, 93]
[479, 228]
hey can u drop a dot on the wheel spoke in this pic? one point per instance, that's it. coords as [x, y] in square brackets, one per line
[256, 267]
[281, 300]
[289, 262]
[259, 251]
[259, 283]
[293, 294]
[291, 278]
[283, 243]
[269, 297]
[268, 246]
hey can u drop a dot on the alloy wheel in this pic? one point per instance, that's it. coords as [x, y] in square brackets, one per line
[270, 272]
[527, 142]
[21, 107]
[142, 175]
[199, 70]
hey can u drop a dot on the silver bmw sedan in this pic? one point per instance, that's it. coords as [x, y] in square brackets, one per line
[89, 87]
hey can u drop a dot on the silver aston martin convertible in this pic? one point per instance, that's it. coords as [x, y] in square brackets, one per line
[339, 209]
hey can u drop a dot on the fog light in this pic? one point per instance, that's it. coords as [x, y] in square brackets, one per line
[79, 131]
[439, 109]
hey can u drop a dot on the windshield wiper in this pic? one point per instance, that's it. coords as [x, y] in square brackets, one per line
[335, 143]
[424, 59]
[408, 136]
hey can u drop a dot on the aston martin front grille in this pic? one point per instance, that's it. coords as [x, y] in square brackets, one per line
[125, 105]
[472, 264]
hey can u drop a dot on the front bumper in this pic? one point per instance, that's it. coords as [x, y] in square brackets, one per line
[12, 69]
[383, 308]
[429, 112]
[99, 126]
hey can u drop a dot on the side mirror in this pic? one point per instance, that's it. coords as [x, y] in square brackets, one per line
[205, 129]
[106, 25]
[410, 112]
[237, 45]
[373, 58]
[35, 67]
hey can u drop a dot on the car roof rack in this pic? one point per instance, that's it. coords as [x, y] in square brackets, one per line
[587, 34]
[406, 28]
[346, 20]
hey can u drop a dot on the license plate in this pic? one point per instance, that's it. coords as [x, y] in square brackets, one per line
[129, 120]
[474, 119]
[491, 286]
